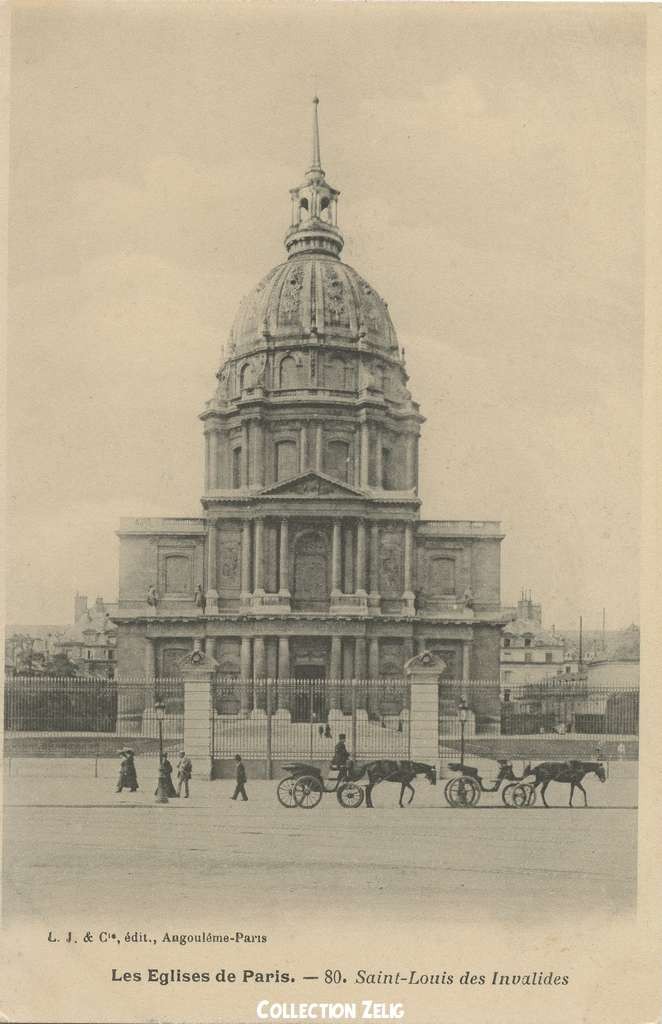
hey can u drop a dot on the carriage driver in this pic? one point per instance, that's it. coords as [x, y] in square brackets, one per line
[340, 755]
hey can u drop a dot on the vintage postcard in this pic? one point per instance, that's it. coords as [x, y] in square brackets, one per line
[330, 685]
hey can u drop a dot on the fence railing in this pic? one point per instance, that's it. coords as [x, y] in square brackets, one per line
[303, 718]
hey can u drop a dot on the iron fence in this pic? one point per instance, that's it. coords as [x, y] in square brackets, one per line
[90, 717]
[545, 718]
[303, 718]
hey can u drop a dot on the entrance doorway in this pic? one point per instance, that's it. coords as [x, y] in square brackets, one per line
[310, 703]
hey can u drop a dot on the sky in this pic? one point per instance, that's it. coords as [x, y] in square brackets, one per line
[490, 162]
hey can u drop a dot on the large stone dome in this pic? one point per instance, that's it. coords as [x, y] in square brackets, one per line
[312, 294]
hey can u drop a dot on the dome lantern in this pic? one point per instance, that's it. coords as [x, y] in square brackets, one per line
[314, 226]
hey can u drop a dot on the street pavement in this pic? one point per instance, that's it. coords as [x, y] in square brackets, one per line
[71, 844]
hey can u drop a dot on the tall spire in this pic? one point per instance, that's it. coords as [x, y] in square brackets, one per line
[314, 227]
[317, 163]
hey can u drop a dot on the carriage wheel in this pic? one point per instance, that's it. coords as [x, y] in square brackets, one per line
[307, 791]
[462, 792]
[518, 795]
[285, 791]
[350, 795]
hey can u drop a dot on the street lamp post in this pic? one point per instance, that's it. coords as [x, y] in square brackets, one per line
[462, 715]
[161, 791]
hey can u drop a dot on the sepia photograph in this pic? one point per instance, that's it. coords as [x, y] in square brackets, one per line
[327, 382]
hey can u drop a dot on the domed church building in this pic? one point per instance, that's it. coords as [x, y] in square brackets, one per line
[310, 559]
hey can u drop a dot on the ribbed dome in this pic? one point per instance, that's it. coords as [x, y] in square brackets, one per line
[312, 294]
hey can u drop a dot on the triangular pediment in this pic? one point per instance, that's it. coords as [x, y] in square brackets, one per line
[314, 484]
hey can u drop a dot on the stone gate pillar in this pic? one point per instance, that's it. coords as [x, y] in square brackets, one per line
[198, 669]
[422, 673]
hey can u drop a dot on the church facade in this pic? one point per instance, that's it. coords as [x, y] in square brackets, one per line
[310, 558]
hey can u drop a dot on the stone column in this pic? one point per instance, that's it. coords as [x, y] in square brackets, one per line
[258, 453]
[210, 646]
[150, 658]
[378, 459]
[284, 559]
[408, 594]
[335, 671]
[410, 462]
[360, 558]
[422, 673]
[303, 448]
[259, 657]
[259, 669]
[283, 657]
[466, 659]
[259, 556]
[213, 459]
[212, 557]
[421, 644]
[318, 447]
[246, 587]
[374, 598]
[360, 657]
[246, 674]
[373, 658]
[335, 557]
[348, 560]
[245, 460]
[198, 670]
[365, 455]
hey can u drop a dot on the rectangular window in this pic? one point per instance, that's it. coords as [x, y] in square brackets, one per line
[506, 642]
[548, 656]
[527, 642]
[527, 656]
[442, 576]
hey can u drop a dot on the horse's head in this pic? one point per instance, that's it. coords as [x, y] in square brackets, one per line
[431, 775]
[527, 771]
[600, 772]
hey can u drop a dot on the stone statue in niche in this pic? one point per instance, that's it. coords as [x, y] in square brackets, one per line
[153, 597]
[260, 369]
[468, 598]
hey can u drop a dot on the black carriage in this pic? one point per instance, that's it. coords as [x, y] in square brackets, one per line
[465, 788]
[304, 786]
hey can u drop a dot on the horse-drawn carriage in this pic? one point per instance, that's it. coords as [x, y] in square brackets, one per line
[304, 785]
[465, 788]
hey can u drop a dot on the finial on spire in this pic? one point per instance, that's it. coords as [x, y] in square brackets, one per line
[317, 163]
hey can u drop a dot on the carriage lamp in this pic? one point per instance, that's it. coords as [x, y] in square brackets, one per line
[462, 715]
[161, 793]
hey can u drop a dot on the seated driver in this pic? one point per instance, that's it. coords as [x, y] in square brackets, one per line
[340, 755]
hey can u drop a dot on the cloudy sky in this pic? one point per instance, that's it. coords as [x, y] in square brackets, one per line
[490, 160]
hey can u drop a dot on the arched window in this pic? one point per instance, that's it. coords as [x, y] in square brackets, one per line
[246, 377]
[337, 460]
[325, 212]
[289, 373]
[286, 460]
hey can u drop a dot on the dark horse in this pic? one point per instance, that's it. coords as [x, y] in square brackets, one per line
[571, 772]
[403, 772]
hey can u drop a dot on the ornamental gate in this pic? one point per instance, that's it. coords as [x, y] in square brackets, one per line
[302, 718]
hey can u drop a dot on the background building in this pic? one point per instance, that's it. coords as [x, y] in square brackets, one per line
[310, 558]
[529, 652]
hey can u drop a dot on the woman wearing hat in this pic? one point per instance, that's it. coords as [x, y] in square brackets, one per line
[128, 778]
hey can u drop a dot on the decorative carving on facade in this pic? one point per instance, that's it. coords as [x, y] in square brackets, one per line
[230, 561]
[390, 547]
[290, 298]
[334, 298]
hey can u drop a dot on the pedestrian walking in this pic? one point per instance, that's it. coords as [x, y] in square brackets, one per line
[166, 765]
[240, 777]
[184, 773]
[327, 731]
[128, 777]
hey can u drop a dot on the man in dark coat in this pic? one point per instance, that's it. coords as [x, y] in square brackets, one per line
[340, 755]
[240, 777]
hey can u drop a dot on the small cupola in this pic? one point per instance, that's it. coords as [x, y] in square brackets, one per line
[314, 226]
